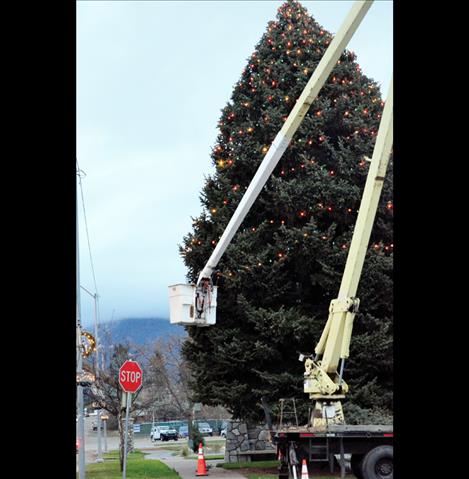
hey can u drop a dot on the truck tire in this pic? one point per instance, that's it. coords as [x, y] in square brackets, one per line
[378, 463]
[356, 464]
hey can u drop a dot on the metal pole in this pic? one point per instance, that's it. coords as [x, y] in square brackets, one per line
[190, 428]
[95, 298]
[342, 458]
[96, 330]
[126, 433]
[105, 434]
[99, 456]
[342, 364]
[81, 419]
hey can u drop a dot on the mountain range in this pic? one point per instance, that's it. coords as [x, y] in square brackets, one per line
[138, 330]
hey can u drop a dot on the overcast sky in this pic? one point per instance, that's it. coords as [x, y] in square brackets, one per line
[152, 78]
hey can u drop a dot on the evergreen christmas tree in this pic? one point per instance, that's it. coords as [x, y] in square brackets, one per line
[284, 266]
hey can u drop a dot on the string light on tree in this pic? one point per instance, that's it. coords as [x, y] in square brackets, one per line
[286, 55]
[88, 344]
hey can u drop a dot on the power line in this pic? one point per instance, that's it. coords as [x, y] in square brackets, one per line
[80, 173]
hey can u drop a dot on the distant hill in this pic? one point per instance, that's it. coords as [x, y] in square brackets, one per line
[138, 330]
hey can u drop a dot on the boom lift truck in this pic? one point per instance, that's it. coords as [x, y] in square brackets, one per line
[326, 433]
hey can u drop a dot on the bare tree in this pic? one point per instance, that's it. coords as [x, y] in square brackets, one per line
[169, 375]
[106, 391]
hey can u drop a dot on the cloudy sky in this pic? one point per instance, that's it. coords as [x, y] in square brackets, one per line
[152, 78]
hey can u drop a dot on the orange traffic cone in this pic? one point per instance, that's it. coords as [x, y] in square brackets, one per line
[201, 466]
[304, 470]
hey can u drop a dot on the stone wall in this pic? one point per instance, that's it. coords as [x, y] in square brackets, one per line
[241, 438]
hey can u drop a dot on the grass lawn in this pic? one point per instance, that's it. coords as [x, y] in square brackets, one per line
[251, 465]
[215, 442]
[171, 447]
[137, 468]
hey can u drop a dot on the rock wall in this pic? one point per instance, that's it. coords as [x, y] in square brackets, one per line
[241, 438]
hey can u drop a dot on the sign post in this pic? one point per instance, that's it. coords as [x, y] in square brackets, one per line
[99, 457]
[126, 433]
[130, 379]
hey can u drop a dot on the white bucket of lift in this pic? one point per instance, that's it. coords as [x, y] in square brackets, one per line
[182, 308]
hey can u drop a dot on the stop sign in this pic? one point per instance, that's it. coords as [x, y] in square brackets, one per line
[130, 376]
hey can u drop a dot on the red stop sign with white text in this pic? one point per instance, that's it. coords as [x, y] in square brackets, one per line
[130, 376]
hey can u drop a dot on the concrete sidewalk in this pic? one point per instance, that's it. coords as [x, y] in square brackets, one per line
[186, 468]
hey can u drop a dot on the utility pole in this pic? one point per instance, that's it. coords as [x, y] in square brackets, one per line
[97, 345]
[105, 417]
[81, 419]
[99, 457]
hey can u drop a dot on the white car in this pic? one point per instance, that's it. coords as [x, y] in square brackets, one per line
[204, 428]
[163, 433]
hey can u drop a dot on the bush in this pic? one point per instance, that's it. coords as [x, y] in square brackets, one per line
[354, 414]
[197, 438]
[185, 451]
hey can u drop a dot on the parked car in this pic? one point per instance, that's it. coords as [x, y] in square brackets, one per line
[163, 433]
[184, 432]
[94, 425]
[204, 428]
[222, 429]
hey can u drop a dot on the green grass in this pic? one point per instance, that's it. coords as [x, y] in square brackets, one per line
[171, 447]
[137, 468]
[251, 465]
[221, 442]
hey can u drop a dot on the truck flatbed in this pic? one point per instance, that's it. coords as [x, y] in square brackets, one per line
[337, 430]
[370, 448]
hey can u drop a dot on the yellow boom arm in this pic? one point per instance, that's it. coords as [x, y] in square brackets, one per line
[321, 376]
